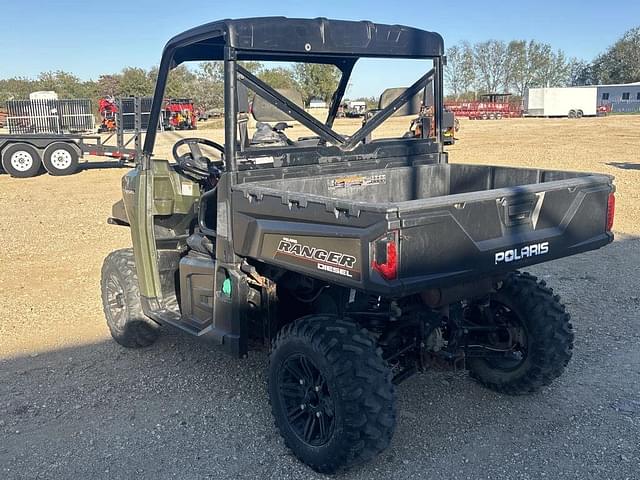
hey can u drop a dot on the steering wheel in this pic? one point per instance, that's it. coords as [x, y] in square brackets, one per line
[194, 150]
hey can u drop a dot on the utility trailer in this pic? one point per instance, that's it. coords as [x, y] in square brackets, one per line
[571, 102]
[355, 261]
[24, 155]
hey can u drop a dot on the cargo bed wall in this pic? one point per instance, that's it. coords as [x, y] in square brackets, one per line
[454, 222]
[402, 184]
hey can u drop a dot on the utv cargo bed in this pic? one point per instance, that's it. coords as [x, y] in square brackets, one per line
[410, 228]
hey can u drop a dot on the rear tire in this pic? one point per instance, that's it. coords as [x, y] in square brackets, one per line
[579, 114]
[21, 160]
[547, 338]
[331, 392]
[572, 114]
[60, 159]
[121, 302]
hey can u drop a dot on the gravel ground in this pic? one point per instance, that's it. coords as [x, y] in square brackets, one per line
[75, 405]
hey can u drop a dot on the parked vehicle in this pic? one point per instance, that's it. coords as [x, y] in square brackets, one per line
[355, 109]
[491, 106]
[180, 114]
[39, 135]
[571, 102]
[356, 262]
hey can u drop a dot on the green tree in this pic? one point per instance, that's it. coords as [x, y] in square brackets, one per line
[208, 89]
[278, 77]
[459, 72]
[491, 64]
[621, 62]
[135, 82]
[580, 72]
[108, 85]
[17, 88]
[316, 80]
[65, 84]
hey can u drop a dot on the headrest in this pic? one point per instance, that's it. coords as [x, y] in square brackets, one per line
[412, 107]
[263, 111]
[243, 98]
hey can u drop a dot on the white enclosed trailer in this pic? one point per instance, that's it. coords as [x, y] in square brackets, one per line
[569, 102]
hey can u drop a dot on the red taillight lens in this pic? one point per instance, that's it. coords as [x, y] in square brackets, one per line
[385, 256]
[611, 211]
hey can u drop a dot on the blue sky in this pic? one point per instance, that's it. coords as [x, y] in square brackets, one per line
[93, 37]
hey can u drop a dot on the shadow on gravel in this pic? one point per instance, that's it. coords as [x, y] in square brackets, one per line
[182, 409]
[625, 165]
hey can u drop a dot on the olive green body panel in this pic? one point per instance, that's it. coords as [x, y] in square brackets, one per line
[147, 195]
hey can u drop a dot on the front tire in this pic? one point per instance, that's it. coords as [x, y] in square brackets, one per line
[121, 302]
[331, 392]
[540, 328]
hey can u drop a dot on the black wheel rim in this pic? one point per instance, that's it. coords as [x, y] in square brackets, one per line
[306, 400]
[116, 303]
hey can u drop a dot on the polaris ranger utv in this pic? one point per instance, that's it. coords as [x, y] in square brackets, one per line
[357, 261]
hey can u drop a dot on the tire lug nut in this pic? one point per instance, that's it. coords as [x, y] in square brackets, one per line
[302, 407]
[301, 381]
[318, 414]
[317, 389]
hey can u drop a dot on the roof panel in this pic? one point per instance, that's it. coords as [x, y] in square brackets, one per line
[296, 39]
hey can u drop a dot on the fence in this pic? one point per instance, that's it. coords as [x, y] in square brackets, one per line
[49, 116]
[127, 105]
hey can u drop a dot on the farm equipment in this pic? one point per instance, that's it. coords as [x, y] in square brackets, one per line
[180, 114]
[355, 262]
[107, 109]
[492, 106]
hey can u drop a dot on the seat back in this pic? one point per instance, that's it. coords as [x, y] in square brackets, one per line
[412, 107]
[263, 111]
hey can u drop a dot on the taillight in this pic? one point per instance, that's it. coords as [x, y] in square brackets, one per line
[611, 211]
[385, 256]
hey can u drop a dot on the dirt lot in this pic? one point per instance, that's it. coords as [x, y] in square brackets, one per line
[75, 405]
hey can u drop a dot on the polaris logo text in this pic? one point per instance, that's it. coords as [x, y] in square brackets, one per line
[328, 261]
[521, 253]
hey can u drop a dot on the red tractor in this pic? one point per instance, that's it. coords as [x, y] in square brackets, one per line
[108, 109]
[180, 114]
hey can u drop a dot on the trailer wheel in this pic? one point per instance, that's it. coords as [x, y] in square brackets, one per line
[60, 159]
[484, 116]
[492, 116]
[536, 339]
[572, 114]
[579, 114]
[331, 392]
[498, 116]
[21, 160]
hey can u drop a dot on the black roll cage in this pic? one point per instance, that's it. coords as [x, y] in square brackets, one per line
[234, 73]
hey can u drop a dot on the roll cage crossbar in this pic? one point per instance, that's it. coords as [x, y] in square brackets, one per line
[325, 132]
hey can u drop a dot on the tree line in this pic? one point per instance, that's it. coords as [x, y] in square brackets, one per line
[484, 67]
[495, 66]
[204, 83]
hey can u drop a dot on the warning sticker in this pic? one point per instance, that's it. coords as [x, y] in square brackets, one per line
[357, 181]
